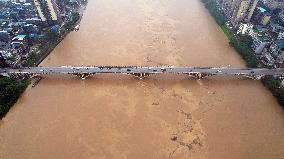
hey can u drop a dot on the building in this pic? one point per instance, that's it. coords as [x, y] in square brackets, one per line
[276, 48]
[48, 11]
[238, 10]
[267, 59]
[274, 4]
[19, 44]
[280, 36]
[280, 59]
[4, 41]
[281, 15]
[261, 16]
[275, 28]
[266, 18]
[277, 51]
[259, 44]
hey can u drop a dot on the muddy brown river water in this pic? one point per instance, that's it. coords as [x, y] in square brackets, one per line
[116, 116]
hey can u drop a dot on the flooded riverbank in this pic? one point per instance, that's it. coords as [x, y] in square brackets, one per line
[121, 117]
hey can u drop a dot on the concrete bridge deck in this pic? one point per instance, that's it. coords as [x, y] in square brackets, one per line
[141, 72]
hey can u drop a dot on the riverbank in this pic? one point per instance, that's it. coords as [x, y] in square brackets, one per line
[11, 89]
[67, 29]
[242, 45]
[107, 115]
[48, 44]
[49, 50]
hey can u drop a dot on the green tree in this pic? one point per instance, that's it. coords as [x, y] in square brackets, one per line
[52, 37]
[10, 90]
[75, 16]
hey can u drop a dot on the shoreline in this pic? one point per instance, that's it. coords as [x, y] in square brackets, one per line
[33, 83]
[63, 36]
[245, 52]
[50, 49]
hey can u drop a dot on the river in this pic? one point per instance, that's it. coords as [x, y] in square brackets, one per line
[117, 116]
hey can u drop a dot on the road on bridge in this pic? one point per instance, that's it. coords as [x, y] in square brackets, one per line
[142, 72]
[136, 69]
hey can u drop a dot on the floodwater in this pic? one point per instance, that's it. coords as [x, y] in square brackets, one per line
[117, 116]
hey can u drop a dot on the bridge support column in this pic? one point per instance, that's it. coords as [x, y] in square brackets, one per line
[199, 75]
[140, 75]
[13, 75]
[83, 75]
[254, 77]
[32, 75]
[258, 77]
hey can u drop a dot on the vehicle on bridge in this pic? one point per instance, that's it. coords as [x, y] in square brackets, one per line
[141, 72]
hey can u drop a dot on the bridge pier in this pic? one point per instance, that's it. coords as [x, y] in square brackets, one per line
[140, 75]
[199, 75]
[83, 75]
[13, 75]
[254, 77]
[32, 75]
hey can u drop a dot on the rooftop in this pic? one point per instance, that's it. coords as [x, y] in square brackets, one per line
[19, 37]
[280, 44]
[262, 10]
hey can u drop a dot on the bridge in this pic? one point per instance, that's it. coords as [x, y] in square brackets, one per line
[140, 71]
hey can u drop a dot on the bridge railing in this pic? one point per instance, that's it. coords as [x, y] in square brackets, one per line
[142, 72]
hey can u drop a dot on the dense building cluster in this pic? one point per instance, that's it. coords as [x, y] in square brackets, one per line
[24, 22]
[238, 10]
[263, 20]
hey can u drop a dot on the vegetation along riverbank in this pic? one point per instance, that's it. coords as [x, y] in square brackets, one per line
[40, 48]
[242, 45]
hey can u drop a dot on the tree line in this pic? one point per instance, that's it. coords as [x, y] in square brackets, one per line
[10, 90]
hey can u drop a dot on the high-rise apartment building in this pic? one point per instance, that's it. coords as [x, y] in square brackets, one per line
[238, 10]
[48, 11]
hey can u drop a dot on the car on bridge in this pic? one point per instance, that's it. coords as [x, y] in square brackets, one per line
[218, 71]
